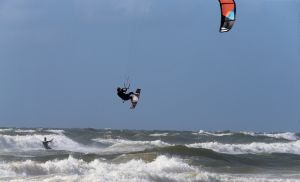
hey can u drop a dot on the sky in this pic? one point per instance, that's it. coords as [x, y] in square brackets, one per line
[61, 62]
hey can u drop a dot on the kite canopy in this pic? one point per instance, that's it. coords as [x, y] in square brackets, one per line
[228, 12]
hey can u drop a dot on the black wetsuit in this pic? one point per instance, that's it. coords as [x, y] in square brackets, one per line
[45, 143]
[123, 95]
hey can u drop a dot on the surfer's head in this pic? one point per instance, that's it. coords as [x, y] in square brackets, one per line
[119, 89]
[45, 139]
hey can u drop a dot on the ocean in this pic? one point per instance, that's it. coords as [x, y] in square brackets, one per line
[143, 155]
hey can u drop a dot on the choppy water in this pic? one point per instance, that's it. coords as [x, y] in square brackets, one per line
[135, 155]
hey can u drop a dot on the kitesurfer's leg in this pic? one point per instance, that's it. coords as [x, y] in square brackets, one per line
[131, 93]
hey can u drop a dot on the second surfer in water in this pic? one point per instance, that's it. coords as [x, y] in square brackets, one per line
[45, 143]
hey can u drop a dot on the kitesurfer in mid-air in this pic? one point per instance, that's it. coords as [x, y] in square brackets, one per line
[123, 95]
[45, 143]
[133, 97]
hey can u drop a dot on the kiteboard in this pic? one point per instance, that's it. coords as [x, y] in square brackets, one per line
[135, 98]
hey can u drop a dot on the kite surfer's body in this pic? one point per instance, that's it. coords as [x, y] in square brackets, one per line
[133, 97]
[123, 95]
[45, 143]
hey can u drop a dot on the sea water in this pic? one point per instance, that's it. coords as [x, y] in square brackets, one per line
[144, 156]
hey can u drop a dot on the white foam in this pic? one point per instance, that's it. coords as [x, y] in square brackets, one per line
[34, 142]
[10, 143]
[201, 132]
[248, 133]
[5, 129]
[56, 131]
[19, 142]
[24, 131]
[287, 135]
[255, 147]
[158, 134]
[161, 169]
[122, 145]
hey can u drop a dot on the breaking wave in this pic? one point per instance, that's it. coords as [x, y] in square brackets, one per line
[201, 132]
[158, 134]
[62, 142]
[251, 148]
[56, 131]
[24, 131]
[121, 145]
[34, 142]
[6, 129]
[287, 135]
[124, 155]
[162, 168]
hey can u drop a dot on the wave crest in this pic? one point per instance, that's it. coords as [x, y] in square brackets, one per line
[251, 148]
[34, 142]
[161, 169]
[122, 145]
